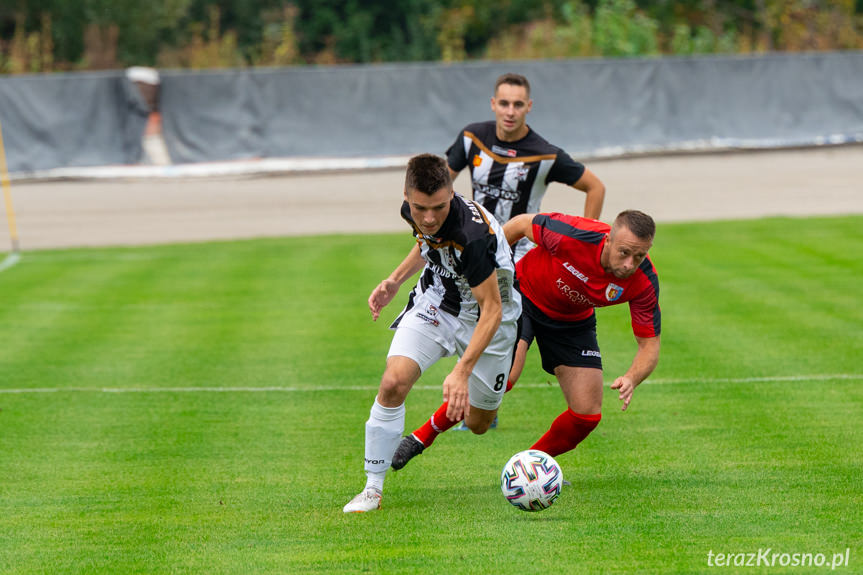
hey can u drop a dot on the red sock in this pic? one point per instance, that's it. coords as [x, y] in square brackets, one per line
[567, 431]
[509, 384]
[437, 424]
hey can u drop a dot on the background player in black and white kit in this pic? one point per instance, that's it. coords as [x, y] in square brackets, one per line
[511, 165]
[464, 303]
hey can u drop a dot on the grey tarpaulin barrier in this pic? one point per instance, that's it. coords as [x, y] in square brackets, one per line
[70, 120]
[589, 107]
[208, 116]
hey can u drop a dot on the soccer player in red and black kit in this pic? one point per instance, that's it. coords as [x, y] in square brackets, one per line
[578, 265]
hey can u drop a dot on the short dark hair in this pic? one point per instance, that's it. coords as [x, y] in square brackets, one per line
[640, 224]
[427, 173]
[513, 79]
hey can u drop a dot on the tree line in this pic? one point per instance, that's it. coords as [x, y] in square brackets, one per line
[58, 35]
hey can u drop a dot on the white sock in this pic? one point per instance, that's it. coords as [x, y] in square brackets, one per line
[383, 432]
[375, 481]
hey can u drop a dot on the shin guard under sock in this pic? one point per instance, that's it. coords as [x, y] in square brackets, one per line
[383, 432]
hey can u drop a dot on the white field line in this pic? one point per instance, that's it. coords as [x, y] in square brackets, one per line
[703, 381]
[12, 259]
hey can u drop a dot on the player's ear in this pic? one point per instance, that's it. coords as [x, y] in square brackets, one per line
[492, 104]
[529, 105]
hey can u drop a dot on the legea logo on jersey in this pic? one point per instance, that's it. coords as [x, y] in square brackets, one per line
[613, 292]
[504, 151]
[571, 268]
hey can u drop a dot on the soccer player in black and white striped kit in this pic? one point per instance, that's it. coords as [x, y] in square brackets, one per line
[510, 167]
[465, 303]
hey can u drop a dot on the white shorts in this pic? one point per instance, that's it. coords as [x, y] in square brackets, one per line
[426, 334]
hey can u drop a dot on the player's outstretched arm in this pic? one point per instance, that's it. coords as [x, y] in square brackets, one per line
[520, 226]
[594, 191]
[487, 295]
[385, 291]
[645, 361]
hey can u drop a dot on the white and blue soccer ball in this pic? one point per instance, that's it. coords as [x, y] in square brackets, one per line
[531, 480]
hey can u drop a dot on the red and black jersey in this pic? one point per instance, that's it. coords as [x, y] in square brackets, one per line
[563, 275]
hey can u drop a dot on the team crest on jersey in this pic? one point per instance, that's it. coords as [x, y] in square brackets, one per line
[431, 310]
[447, 259]
[504, 151]
[613, 292]
[521, 173]
[477, 161]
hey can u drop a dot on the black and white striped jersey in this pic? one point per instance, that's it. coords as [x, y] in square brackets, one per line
[467, 249]
[510, 178]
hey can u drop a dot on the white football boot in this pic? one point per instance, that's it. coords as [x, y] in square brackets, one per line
[367, 500]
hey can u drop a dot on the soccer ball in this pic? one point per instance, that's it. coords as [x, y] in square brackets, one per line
[531, 480]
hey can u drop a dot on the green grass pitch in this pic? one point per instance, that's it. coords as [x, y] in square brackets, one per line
[201, 408]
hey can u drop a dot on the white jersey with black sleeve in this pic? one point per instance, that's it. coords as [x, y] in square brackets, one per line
[467, 249]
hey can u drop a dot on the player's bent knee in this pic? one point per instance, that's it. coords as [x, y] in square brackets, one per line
[393, 390]
[479, 427]
[399, 375]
